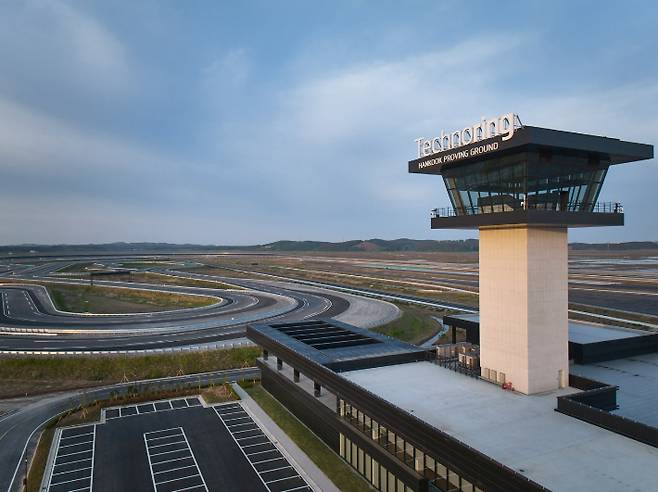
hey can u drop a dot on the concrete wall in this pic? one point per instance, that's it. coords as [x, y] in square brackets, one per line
[523, 306]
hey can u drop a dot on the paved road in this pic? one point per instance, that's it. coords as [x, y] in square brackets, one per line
[30, 322]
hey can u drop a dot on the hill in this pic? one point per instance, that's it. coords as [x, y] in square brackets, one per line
[368, 245]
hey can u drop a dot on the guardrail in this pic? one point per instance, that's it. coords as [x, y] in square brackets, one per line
[598, 207]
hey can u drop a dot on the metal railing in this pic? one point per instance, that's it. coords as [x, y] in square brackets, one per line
[598, 207]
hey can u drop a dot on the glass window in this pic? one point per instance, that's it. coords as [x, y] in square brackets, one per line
[441, 470]
[355, 456]
[420, 461]
[453, 480]
[368, 467]
[466, 485]
[375, 473]
[409, 454]
[430, 467]
[348, 450]
[391, 482]
[361, 465]
[383, 473]
[400, 486]
[342, 445]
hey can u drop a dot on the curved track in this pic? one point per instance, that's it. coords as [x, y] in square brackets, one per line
[29, 322]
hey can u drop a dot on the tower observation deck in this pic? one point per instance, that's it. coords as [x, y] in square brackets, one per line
[523, 187]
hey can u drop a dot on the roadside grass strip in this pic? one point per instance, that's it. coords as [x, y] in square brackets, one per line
[150, 407]
[73, 466]
[172, 463]
[272, 467]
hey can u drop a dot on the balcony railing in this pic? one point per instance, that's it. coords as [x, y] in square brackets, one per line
[599, 207]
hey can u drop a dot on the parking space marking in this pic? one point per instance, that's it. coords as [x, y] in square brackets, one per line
[172, 471]
[79, 471]
[281, 473]
[149, 407]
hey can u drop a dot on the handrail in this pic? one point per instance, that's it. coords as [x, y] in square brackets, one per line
[598, 207]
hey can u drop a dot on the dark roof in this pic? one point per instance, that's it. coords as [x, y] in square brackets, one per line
[535, 138]
[336, 345]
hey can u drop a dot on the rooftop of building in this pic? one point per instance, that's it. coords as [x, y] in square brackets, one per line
[520, 431]
[613, 150]
[579, 331]
[637, 379]
[337, 345]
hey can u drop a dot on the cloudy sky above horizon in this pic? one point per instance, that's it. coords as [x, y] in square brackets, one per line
[249, 122]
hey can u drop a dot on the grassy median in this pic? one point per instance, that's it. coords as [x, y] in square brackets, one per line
[22, 376]
[416, 325]
[108, 300]
[339, 472]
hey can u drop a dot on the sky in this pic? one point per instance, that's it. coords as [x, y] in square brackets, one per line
[248, 122]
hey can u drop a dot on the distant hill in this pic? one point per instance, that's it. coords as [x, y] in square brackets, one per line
[369, 245]
[375, 245]
[629, 246]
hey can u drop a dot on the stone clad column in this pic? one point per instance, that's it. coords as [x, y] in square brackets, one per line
[524, 306]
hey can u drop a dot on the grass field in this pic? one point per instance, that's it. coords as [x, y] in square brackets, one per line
[339, 472]
[385, 284]
[157, 278]
[37, 375]
[108, 300]
[414, 326]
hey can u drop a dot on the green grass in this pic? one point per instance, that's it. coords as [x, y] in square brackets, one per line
[157, 278]
[339, 472]
[108, 300]
[32, 375]
[414, 326]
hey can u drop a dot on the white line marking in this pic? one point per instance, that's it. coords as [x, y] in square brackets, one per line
[258, 444]
[181, 478]
[71, 462]
[273, 450]
[284, 478]
[267, 461]
[169, 461]
[173, 469]
[168, 444]
[297, 488]
[148, 456]
[93, 454]
[190, 488]
[79, 452]
[69, 481]
[73, 471]
[178, 432]
[77, 435]
[169, 452]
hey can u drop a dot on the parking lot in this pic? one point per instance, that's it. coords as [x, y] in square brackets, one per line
[171, 446]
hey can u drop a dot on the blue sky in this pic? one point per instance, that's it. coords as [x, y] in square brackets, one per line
[248, 122]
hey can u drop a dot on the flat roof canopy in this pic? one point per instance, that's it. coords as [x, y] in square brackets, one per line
[531, 138]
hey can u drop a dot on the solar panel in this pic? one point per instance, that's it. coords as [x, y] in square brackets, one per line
[322, 335]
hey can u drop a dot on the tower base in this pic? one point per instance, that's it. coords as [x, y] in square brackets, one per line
[524, 307]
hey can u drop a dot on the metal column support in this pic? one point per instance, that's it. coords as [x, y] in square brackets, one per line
[295, 375]
[279, 364]
[317, 389]
[265, 354]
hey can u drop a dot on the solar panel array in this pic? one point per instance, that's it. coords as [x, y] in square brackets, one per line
[322, 335]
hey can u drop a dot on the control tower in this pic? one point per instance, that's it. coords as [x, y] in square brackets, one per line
[523, 187]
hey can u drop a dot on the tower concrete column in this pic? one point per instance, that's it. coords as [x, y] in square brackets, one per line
[524, 307]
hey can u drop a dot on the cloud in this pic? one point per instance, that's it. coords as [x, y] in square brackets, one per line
[51, 50]
[245, 150]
